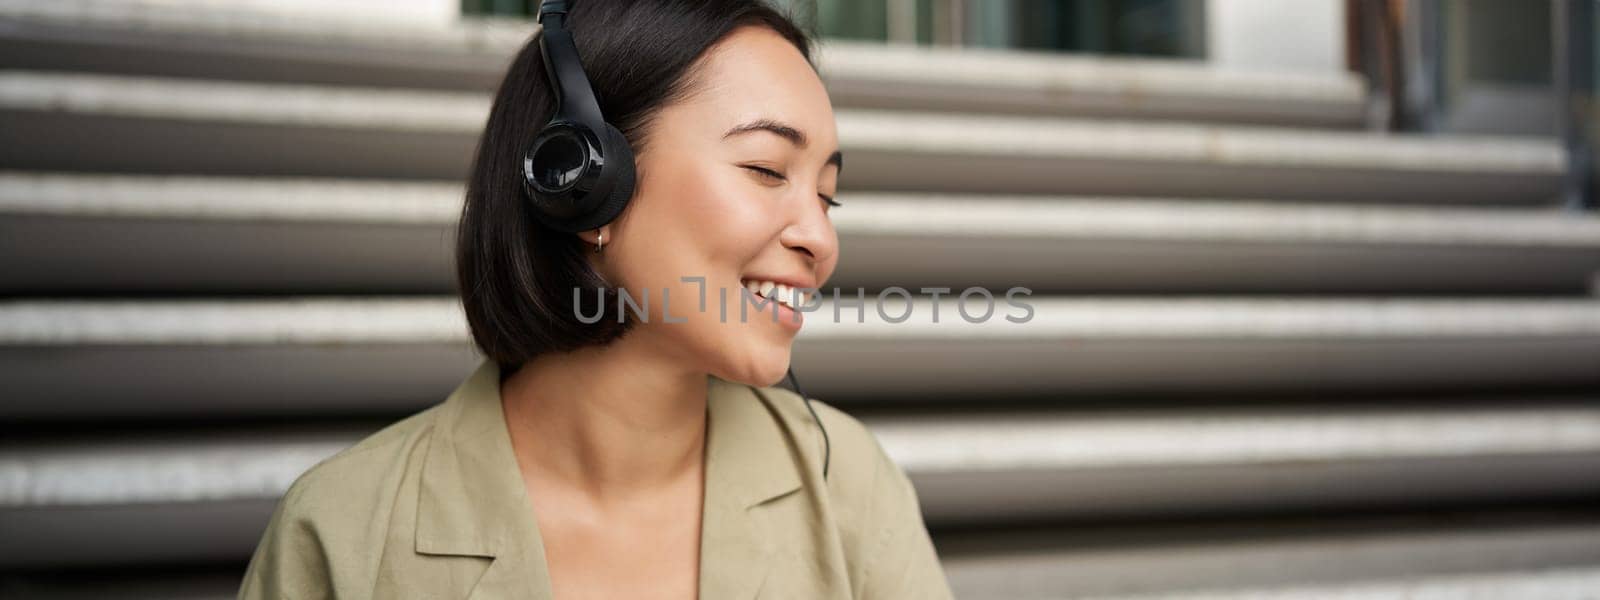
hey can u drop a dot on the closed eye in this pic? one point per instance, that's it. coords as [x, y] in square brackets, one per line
[765, 172]
[771, 174]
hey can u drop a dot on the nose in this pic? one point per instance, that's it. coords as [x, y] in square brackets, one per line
[811, 233]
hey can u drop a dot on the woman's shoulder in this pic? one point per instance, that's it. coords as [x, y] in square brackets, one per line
[371, 464]
[321, 537]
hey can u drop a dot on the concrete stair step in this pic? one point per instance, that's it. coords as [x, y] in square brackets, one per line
[984, 153]
[79, 122]
[187, 495]
[982, 468]
[1534, 554]
[217, 42]
[97, 233]
[982, 80]
[1574, 583]
[80, 233]
[65, 358]
[203, 582]
[1182, 245]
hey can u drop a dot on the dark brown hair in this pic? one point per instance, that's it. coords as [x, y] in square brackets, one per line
[516, 277]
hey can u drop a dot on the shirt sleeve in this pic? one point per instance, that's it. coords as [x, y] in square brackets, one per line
[903, 562]
[289, 561]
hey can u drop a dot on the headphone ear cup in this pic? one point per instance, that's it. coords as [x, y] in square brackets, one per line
[555, 166]
[620, 170]
[612, 173]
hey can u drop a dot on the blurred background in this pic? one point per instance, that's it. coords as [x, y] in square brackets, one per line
[1315, 281]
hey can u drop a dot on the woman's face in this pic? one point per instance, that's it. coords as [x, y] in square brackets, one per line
[725, 198]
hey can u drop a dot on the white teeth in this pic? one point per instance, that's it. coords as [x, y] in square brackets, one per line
[778, 292]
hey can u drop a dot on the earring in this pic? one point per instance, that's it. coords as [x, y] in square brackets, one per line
[600, 243]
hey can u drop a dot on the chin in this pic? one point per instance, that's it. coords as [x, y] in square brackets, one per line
[760, 367]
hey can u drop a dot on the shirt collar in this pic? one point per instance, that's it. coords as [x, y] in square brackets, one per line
[473, 502]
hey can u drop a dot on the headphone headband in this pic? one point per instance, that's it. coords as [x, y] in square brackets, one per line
[575, 99]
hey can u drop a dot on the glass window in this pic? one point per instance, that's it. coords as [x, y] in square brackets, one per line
[1143, 27]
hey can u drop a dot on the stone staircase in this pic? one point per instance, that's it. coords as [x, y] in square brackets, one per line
[1272, 355]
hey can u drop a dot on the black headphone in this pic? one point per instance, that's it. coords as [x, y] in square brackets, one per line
[578, 172]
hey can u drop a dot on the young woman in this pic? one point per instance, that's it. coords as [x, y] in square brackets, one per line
[640, 454]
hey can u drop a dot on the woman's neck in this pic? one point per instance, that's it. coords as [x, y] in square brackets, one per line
[611, 422]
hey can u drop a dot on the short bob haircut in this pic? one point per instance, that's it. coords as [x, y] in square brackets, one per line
[515, 276]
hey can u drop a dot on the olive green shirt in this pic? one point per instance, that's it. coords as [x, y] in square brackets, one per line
[434, 506]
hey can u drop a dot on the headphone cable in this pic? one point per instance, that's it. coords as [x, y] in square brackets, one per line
[827, 446]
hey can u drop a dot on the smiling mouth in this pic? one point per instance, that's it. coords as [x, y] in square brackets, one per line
[776, 292]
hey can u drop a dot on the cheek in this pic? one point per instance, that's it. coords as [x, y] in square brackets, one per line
[710, 224]
[672, 201]
[722, 218]
[697, 223]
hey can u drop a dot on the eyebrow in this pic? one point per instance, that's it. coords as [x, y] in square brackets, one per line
[795, 136]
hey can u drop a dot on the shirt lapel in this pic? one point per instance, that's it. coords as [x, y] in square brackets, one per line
[747, 464]
[473, 501]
